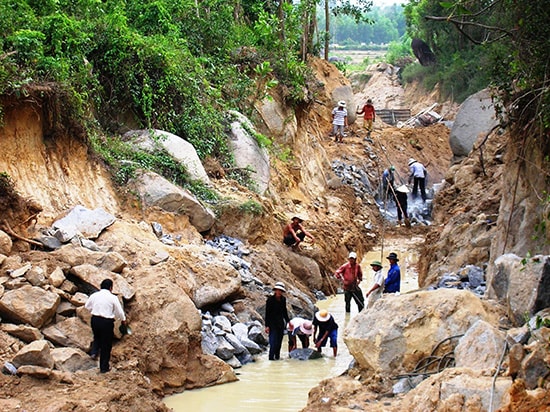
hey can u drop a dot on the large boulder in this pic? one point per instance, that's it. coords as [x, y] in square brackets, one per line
[279, 118]
[91, 277]
[70, 332]
[345, 93]
[248, 154]
[399, 330]
[458, 389]
[155, 190]
[71, 359]
[476, 116]
[179, 149]
[36, 353]
[29, 304]
[523, 285]
[26, 333]
[80, 220]
[480, 348]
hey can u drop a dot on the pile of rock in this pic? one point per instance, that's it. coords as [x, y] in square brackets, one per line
[229, 339]
[354, 176]
[470, 277]
[44, 321]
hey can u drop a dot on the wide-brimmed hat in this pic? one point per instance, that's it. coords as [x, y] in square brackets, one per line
[392, 256]
[307, 327]
[402, 189]
[280, 286]
[352, 255]
[411, 161]
[301, 219]
[342, 103]
[322, 315]
[376, 263]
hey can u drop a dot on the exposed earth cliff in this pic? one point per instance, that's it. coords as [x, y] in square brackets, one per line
[169, 285]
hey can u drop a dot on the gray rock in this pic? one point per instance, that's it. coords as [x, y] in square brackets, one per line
[476, 277]
[89, 244]
[35, 353]
[157, 229]
[247, 152]
[406, 384]
[66, 309]
[157, 191]
[50, 242]
[29, 304]
[224, 350]
[234, 362]
[80, 220]
[236, 343]
[223, 323]
[240, 330]
[209, 342]
[178, 148]
[305, 354]
[475, 116]
[251, 346]
[520, 284]
[228, 307]
[257, 334]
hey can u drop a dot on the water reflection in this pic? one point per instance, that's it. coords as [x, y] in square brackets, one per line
[284, 385]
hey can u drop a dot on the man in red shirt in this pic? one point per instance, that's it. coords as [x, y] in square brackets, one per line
[351, 275]
[369, 115]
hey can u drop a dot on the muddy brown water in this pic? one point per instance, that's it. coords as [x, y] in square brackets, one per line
[284, 385]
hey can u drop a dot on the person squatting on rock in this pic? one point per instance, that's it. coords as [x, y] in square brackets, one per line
[294, 233]
[401, 195]
[369, 116]
[351, 275]
[393, 279]
[104, 307]
[339, 121]
[375, 291]
[276, 318]
[303, 329]
[418, 175]
[325, 328]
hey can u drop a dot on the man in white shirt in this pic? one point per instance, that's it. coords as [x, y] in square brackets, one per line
[104, 307]
[339, 121]
[376, 291]
[418, 173]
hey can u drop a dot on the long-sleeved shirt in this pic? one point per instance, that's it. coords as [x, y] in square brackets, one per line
[351, 275]
[393, 280]
[106, 305]
[276, 314]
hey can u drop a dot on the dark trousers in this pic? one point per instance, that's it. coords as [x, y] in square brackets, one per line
[401, 205]
[103, 340]
[357, 296]
[419, 182]
[290, 241]
[275, 343]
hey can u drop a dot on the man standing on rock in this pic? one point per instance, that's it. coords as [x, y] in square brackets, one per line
[418, 175]
[393, 280]
[351, 275]
[369, 116]
[376, 290]
[104, 307]
[276, 318]
[294, 233]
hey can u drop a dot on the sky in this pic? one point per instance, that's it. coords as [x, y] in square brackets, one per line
[387, 2]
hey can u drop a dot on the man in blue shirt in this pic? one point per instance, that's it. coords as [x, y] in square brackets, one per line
[393, 280]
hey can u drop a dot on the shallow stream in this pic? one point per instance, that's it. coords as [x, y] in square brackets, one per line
[284, 385]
